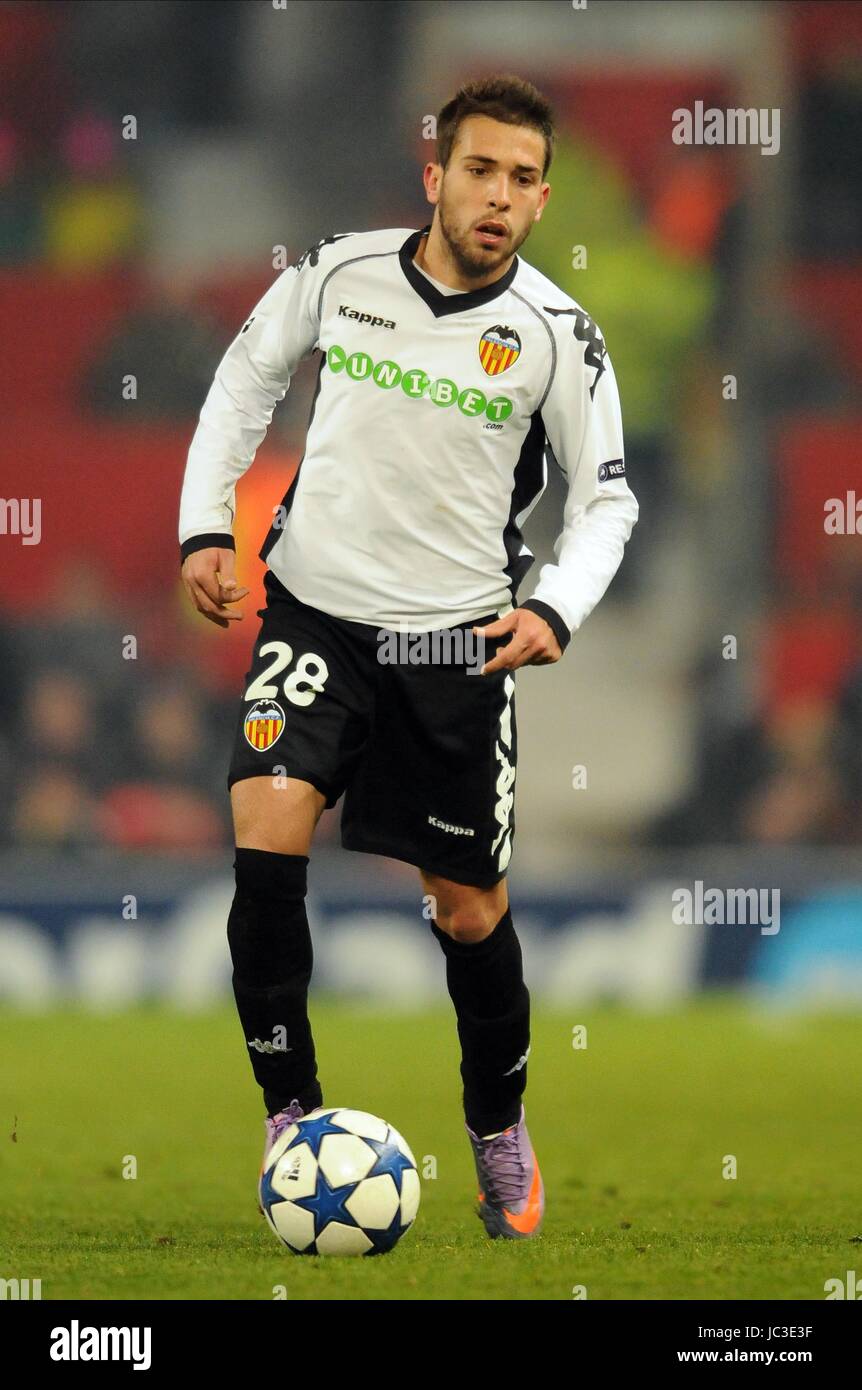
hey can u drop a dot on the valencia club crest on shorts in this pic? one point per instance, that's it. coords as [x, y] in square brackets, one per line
[499, 348]
[263, 724]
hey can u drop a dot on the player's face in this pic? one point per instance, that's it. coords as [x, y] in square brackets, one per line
[494, 173]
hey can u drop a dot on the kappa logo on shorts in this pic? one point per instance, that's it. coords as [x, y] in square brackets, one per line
[452, 829]
[505, 781]
[263, 725]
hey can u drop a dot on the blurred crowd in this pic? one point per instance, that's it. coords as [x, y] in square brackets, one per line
[780, 765]
[100, 747]
[71, 76]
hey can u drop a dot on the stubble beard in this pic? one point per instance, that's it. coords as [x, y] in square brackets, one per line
[473, 266]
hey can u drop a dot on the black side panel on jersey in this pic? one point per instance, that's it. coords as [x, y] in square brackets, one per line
[528, 479]
[275, 531]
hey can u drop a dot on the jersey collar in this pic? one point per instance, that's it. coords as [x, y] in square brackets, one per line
[441, 304]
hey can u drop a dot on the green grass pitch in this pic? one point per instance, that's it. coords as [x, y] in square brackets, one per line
[631, 1133]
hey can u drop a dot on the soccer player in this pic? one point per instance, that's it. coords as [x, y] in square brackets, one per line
[449, 369]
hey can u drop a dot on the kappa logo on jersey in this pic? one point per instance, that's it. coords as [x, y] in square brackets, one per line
[587, 331]
[374, 320]
[263, 724]
[312, 255]
[499, 349]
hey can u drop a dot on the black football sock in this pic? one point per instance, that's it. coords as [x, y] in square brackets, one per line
[492, 1005]
[270, 945]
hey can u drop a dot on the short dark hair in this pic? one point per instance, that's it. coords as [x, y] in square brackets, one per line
[503, 97]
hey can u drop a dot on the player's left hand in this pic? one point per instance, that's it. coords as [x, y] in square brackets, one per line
[533, 642]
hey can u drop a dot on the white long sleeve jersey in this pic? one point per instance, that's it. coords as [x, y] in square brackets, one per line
[433, 420]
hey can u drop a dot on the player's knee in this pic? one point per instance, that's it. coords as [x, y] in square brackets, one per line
[465, 913]
[468, 922]
[275, 877]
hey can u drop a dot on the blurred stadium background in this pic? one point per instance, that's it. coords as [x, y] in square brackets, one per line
[137, 246]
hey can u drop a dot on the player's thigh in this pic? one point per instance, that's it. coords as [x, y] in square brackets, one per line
[275, 813]
[462, 911]
[301, 725]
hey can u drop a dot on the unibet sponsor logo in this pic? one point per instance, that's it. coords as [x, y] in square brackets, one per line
[417, 384]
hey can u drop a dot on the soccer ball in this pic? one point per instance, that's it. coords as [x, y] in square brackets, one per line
[340, 1182]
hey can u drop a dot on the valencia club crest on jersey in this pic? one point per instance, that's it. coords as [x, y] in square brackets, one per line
[263, 724]
[499, 347]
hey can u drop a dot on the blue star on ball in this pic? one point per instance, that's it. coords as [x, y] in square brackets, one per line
[313, 1131]
[389, 1160]
[327, 1204]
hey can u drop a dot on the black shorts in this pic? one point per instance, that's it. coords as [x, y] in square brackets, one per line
[425, 751]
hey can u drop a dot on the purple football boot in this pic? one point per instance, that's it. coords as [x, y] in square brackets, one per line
[511, 1192]
[275, 1126]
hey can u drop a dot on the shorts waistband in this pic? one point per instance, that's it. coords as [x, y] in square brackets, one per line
[369, 631]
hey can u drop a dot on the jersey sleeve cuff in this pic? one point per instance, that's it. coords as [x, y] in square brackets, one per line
[212, 539]
[552, 618]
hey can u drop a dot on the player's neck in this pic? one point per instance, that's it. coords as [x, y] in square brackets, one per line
[431, 256]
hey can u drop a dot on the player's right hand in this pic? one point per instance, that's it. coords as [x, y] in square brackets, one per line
[211, 584]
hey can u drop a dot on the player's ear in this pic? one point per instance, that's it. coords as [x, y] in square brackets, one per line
[431, 176]
[546, 193]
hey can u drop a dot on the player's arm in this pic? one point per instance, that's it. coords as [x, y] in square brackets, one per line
[251, 379]
[583, 424]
